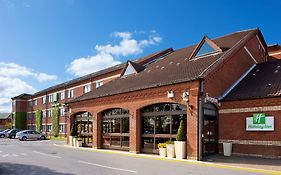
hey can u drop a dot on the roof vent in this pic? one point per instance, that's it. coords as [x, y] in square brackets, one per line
[268, 85]
[178, 64]
[276, 71]
[157, 66]
[278, 67]
[162, 67]
[257, 70]
[254, 75]
[148, 70]
[171, 62]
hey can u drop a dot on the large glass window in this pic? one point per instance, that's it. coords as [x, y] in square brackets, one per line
[160, 123]
[205, 49]
[84, 127]
[116, 128]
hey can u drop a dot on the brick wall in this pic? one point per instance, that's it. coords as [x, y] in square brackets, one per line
[232, 127]
[135, 101]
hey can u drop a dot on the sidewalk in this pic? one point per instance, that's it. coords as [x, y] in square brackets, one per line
[248, 162]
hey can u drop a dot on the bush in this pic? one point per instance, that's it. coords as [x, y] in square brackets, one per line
[39, 120]
[161, 145]
[169, 142]
[181, 135]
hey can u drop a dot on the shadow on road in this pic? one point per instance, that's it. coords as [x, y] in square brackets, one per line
[22, 169]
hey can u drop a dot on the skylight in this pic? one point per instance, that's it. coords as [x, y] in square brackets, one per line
[205, 49]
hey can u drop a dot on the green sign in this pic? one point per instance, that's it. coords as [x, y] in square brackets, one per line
[259, 118]
[260, 122]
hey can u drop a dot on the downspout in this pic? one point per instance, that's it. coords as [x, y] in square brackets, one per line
[200, 121]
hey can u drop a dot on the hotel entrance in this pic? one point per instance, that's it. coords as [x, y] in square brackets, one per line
[210, 130]
[84, 127]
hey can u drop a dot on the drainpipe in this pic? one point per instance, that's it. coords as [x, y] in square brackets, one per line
[200, 121]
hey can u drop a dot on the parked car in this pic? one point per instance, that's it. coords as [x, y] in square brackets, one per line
[4, 133]
[30, 135]
[12, 133]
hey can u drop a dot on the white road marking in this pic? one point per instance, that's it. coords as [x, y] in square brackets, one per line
[24, 154]
[47, 154]
[5, 155]
[108, 167]
[15, 155]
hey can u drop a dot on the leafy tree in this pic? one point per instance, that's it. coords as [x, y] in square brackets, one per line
[20, 120]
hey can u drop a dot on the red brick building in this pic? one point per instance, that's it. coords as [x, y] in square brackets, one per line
[146, 99]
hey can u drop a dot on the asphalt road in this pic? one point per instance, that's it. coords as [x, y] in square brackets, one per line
[43, 158]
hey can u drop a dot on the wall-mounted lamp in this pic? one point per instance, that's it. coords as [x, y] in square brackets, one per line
[170, 94]
[185, 96]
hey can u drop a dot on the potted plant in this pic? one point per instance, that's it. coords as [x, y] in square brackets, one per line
[170, 149]
[180, 143]
[162, 149]
[79, 142]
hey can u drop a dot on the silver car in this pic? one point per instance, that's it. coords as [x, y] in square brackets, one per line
[29, 135]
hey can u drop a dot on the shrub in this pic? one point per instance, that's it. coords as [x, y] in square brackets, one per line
[73, 131]
[181, 135]
[161, 145]
[169, 142]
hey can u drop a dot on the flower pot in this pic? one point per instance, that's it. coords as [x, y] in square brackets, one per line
[180, 148]
[227, 149]
[170, 150]
[79, 143]
[163, 152]
[70, 138]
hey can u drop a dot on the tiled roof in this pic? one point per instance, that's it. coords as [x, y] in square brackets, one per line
[22, 96]
[176, 67]
[141, 60]
[263, 81]
[5, 115]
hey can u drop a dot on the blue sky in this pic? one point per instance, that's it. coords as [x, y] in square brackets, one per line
[45, 42]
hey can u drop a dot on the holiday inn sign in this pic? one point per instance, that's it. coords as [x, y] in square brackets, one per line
[260, 122]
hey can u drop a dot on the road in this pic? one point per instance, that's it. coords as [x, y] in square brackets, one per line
[42, 157]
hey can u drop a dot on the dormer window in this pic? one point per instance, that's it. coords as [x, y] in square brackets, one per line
[131, 68]
[204, 48]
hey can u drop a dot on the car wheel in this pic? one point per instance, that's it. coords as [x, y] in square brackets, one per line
[42, 138]
[2, 136]
[24, 138]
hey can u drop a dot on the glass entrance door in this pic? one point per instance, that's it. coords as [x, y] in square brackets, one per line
[84, 128]
[210, 130]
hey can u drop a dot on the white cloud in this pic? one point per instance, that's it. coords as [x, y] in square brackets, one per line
[15, 70]
[10, 87]
[107, 55]
[11, 83]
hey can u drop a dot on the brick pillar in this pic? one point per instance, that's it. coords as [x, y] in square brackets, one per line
[135, 139]
[97, 131]
[69, 123]
[192, 125]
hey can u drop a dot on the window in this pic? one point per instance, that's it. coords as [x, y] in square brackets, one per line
[49, 128]
[30, 103]
[55, 97]
[50, 112]
[70, 93]
[61, 112]
[205, 49]
[29, 116]
[99, 83]
[62, 95]
[35, 102]
[87, 88]
[50, 98]
[44, 114]
[44, 100]
[43, 128]
[130, 70]
[61, 128]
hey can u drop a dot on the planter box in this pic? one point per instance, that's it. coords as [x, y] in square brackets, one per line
[70, 139]
[79, 143]
[163, 152]
[180, 147]
[170, 150]
[227, 149]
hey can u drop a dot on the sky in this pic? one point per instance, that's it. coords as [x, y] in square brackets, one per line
[46, 42]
